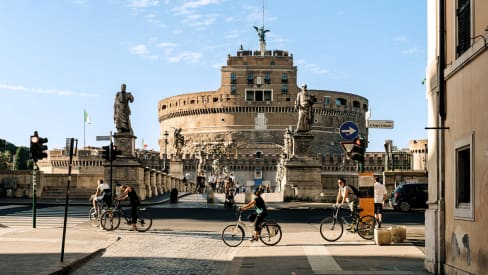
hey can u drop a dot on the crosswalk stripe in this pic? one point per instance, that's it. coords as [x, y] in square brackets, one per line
[49, 217]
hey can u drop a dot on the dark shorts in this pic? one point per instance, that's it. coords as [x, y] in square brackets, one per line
[378, 208]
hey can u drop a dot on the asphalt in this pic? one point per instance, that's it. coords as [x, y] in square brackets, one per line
[39, 250]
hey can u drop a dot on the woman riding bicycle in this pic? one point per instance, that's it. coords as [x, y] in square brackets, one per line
[128, 191]
[261, 212]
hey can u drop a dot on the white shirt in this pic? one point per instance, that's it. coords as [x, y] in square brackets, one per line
[379, 192]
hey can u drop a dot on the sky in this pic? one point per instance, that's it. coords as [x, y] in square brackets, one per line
[59, 58]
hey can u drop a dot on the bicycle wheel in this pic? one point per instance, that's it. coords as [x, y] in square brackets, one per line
[331, 229]
[144, 220]
[93, 215]
[270, 234]
[110, 220]
[365, 227]
[233, 235]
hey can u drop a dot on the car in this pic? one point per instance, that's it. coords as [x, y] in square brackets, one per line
[409, 195]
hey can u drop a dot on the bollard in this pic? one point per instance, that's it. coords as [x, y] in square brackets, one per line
[173, 196]
[382, 236]
[210, 196]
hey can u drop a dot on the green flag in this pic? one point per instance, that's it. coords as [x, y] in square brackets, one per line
[86, 117]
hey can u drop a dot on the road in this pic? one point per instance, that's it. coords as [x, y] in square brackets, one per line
[187, 241]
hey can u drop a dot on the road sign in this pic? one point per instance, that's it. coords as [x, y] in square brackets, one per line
[383, 124]
[101, 138]
[348, 130]
[347, 146]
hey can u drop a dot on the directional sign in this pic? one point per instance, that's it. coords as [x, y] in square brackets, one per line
[101, 138]
[383, 124]
[348, 130]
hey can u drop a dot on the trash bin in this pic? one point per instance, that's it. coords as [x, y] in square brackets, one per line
[173, 196]
[210, 196]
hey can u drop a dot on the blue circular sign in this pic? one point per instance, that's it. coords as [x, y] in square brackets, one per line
[349, 130]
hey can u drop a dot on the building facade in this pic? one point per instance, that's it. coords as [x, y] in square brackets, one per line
[457, 71]
[242, 124]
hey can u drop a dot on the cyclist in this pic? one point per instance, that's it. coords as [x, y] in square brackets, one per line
[346, 194]
[103, 193]
[261, 212]
[128, 191]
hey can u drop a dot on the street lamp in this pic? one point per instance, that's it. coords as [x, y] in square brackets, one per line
[165, 138]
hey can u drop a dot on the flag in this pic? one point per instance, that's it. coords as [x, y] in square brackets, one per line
[86, 117]
[144, 145]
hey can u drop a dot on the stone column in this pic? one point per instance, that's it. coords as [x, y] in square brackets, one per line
[152, 180]
[147, 182]
[302, 171]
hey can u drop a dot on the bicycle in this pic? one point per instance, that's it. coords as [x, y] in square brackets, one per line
[332, 228]
[93, 215]
[233, 234]
[110, 219]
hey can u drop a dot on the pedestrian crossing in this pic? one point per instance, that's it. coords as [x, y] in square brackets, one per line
[48, 217]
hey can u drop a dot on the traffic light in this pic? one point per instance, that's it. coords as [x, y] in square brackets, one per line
[42, 148]
[38, 149]
[357, 152]
[115, 152]
[106, 152]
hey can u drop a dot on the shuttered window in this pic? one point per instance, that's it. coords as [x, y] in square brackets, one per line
[463, 26]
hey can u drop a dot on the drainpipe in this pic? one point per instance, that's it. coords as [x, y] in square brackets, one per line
[441, 219]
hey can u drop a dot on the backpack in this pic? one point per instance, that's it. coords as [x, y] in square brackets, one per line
[354, 190]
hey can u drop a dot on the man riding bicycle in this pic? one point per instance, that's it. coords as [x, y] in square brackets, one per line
[346, 194]
[260, 214]
[103, 194]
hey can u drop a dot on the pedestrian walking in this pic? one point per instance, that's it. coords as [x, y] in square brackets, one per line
[379, 200]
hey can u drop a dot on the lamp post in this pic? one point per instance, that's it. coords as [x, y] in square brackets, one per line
[165, 137]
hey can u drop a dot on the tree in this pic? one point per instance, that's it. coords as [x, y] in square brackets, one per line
[5, 158]
[22, 160]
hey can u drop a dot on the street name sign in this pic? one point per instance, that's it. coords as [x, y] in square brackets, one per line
[382, 124]
[101, 138]
[349, 130]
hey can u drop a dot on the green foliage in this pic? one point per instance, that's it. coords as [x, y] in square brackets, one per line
[22, 160]
[5, 160]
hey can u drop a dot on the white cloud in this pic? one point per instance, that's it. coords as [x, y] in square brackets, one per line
[400, 38]
[143, 3]
[232, 34]
[56, 92]
[310, 67]
[199, 20]
[140, 49]
[410, 51]
[187, 56]
[167, 45]
[188, 7]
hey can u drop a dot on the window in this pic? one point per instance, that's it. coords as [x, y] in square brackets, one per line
[463, 14]
[267, 78]
[250, 95]
[233, 89]
[326, 100]
[259, 95]
[341, 102]
[463, 192]
[284, 89]
[233, 78]
[356, 104]
[250, 78]
[284, 77]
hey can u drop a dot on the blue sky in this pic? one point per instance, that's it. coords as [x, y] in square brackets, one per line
[59, 57]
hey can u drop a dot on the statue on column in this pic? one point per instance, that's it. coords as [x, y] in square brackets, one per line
[304, 103]
[122, 110]
[179, 141]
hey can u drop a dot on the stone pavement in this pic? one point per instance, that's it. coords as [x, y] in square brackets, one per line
[38, 251]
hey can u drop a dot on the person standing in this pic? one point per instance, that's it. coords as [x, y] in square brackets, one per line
[129, 192]
[122, 110]
[379, 200]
